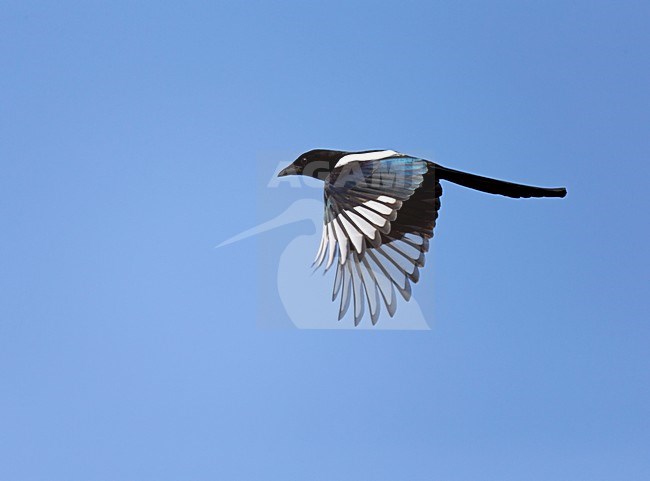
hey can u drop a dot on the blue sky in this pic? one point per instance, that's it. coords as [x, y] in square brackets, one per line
[135, 136]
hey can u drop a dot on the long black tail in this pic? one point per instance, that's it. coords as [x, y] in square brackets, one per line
[494, 186]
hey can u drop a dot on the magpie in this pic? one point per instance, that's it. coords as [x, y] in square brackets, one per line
[381, 208]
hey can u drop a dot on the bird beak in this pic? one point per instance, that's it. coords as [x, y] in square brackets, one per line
[289, 170]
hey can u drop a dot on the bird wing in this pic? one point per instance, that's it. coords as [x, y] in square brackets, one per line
[379, 216]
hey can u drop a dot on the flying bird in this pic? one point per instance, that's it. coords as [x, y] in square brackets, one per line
[381, 208]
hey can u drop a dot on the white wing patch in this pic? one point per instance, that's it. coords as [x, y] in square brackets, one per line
[385, 199]
[376, 255]
[366, 227]
[382, 154]
[341, 240]
[376, 206]
[362, 222]
[368, 274]
[371, 215]
[353, 234]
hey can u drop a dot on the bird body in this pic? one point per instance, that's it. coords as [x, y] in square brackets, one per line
[381, 208]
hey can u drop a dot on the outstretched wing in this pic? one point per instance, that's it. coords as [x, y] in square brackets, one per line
[379, 216]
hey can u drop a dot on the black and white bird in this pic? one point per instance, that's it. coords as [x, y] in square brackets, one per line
[381, 208]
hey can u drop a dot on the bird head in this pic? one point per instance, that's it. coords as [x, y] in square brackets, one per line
[316, 163]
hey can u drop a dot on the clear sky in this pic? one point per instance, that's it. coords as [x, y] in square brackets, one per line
[135, 136]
